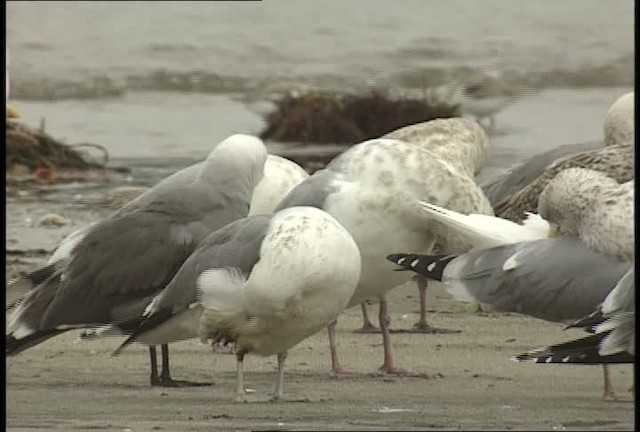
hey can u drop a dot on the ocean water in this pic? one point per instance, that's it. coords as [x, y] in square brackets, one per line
[168, 79]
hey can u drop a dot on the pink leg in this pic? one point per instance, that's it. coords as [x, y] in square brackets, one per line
[422, 290]
[336, 369]
[609, 394]
[421, 326]
[367, 326]
[387, 367]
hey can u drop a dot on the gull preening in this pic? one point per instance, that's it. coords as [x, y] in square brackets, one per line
[560, 279]
[265, 283]
[108, 274]
[373, 189]
[464, 145]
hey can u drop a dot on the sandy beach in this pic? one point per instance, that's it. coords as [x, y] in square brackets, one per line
[468, 382]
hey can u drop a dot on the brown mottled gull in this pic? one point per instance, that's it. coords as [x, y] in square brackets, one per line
[616, 159]
[594, 207]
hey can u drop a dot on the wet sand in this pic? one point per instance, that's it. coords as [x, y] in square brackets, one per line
[469, 382]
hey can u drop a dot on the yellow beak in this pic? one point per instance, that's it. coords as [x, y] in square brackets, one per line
[554, 230]
[12, 112]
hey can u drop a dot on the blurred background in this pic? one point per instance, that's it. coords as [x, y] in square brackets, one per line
[171, 79]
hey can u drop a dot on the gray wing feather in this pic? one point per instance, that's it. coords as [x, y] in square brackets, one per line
[127, 258]
[118, 261]
[313, 191]
[523, 174]
[237, 245]
[557, 279]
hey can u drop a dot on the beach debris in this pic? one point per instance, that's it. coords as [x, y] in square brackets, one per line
[328, 117]
[34, 156]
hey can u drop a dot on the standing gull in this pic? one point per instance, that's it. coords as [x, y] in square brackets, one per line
[558, 279]
[373, 190]
[465, 146]
[123, 261]
[265, 282]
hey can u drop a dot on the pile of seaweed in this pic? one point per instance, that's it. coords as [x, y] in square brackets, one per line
[323, 117]
[28, 149]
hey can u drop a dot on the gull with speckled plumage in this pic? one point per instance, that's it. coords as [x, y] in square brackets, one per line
[464, 145]
[373, 189]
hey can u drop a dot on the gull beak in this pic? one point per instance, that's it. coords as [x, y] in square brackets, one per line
[554, 230]
[12, 112]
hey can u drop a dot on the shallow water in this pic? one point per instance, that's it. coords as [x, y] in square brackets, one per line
[175, 78]
[226, 46]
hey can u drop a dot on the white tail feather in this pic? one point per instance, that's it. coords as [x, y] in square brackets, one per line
[484, 231]
[222, 289]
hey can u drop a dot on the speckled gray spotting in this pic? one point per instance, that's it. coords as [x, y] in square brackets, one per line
[619, 122]
[461, 142]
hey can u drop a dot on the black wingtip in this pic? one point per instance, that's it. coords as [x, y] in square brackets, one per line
[15, 346]
[145, 325]
[578, 351]
[431, 266]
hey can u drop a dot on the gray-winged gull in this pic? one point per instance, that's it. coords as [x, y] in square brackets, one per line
[553, 279]
[373, 189]
[123, 261]
[265, 282]
[616, 160]
[280, 176]
[613, 341]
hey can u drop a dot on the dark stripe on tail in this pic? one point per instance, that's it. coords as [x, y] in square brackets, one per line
[579, 351]
[431, 266]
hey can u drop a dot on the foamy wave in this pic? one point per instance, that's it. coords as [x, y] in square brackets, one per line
[617, 73]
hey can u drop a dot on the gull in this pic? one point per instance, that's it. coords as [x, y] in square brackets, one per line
[373, 190]
[556, 279]
[265, 283]
[463, 144]
[109, 274]
[616, 159]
